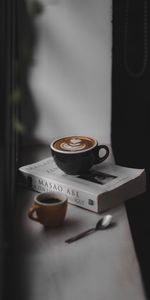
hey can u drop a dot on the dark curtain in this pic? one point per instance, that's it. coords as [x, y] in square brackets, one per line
[8, 136]
[17, 40]
[131, 111]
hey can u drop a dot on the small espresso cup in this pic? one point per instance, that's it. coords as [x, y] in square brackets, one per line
[49, 209]
[75, 155]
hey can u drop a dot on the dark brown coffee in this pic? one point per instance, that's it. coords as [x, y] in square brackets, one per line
[74, 143]
[49, 201]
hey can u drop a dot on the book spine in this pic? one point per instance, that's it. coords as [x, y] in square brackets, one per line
[77, 197]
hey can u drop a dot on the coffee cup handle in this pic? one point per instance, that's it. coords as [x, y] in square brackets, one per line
[102, 158]
[31, 211]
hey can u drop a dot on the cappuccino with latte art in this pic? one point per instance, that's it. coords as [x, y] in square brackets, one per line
[75, 155]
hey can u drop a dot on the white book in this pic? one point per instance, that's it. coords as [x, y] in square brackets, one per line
[103, 187]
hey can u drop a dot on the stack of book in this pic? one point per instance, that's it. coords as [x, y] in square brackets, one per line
[101, 188]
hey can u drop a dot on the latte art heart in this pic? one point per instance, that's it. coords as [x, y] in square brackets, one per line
[73, 145]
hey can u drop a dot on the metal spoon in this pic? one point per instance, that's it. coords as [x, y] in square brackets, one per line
[103, 223]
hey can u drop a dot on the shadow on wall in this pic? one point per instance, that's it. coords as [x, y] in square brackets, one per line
[73, 69]
[27, 39]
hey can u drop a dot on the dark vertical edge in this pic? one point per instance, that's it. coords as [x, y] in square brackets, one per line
[8, 136]
[130, 120]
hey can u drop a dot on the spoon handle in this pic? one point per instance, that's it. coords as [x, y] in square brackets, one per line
[80, 235]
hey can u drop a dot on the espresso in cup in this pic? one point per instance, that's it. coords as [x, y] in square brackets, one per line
[49, 209]
[77, 154]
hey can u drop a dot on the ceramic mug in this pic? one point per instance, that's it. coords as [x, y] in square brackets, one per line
[77, 154]
[49, 209]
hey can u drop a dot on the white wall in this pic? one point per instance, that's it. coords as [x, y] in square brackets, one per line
[71, 79]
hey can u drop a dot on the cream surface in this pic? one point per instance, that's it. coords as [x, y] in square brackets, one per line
[74, 143]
